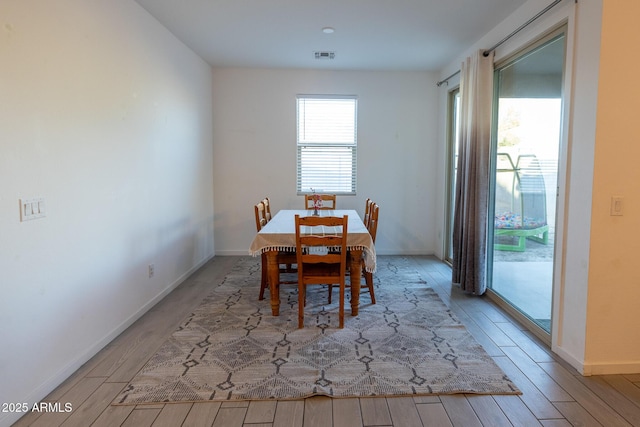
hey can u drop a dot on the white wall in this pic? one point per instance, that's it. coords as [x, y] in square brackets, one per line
[570, 297]
[255, 150]
[108, 117]
[569, 336]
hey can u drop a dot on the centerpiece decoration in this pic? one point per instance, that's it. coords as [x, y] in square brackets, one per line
[317, 202]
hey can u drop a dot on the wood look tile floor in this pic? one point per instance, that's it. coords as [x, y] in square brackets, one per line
[554, 394]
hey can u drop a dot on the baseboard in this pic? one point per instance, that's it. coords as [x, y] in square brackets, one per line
[570, 359]
[588, 369]
[233, 253]
[383, 252]
[619, 368]
[7, 419]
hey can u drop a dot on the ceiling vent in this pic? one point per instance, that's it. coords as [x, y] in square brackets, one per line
[325, 55]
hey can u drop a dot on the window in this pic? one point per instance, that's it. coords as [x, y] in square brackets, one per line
[326, 144]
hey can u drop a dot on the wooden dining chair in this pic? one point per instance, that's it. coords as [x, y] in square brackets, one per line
[261, 217]
[317, 267]
[268, 216]
[284, 258]
[328, 201]
[267, 208]
[372, 227]
[367, 212]
[373, 230]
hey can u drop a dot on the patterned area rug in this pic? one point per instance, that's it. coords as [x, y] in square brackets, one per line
[232, 348]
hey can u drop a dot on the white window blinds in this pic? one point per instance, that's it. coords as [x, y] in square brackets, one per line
[327, 142]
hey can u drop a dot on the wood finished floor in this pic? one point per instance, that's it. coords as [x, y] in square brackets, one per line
[554, 394]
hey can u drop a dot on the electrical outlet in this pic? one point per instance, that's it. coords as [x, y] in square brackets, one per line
[152, 270]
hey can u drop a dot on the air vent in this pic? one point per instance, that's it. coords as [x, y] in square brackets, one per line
[325, 55]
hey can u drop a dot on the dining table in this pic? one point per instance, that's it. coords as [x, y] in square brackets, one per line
[279, 235]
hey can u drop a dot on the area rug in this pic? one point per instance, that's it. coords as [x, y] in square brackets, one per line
[232, 348]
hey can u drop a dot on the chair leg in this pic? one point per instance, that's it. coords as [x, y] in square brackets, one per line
[301, 304]
[263, 280]
[341, 313]
[369, 279]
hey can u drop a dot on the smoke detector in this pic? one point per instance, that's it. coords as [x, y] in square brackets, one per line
[325, 55]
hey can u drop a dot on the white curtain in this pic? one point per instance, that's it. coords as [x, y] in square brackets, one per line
[472, 183]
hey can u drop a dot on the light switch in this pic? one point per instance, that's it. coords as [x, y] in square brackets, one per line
[616, 206]
[32, 209]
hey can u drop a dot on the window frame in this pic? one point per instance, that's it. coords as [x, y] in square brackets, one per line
[330, 148]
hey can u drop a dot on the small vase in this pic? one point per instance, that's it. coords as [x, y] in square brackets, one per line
[315, 211]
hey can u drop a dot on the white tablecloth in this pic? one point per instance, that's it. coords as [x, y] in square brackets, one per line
[280, 234]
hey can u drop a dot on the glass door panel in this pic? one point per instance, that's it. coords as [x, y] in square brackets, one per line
[526, 148]
[452, 168]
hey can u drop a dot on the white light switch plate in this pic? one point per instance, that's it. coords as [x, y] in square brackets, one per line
[32, 209]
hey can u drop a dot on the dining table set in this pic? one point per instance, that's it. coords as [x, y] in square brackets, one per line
[276, 236]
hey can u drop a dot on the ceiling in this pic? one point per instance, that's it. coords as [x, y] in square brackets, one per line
[369, 34]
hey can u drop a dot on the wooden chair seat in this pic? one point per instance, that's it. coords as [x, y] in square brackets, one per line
[321, 271]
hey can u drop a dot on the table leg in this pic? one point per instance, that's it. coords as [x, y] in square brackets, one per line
[273, 275]
[355, 273]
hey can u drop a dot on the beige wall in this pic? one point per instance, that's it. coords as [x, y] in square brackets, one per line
[614, 275]
[107, 116]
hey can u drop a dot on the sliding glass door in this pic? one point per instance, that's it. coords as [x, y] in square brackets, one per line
[527, 129]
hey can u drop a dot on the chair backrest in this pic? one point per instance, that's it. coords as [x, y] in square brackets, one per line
[367, 212]
[328, 201]
[373, 221]
[267, 208]
[311, 231]
[261, 219]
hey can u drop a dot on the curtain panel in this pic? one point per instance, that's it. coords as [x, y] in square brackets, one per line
[470, 226]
